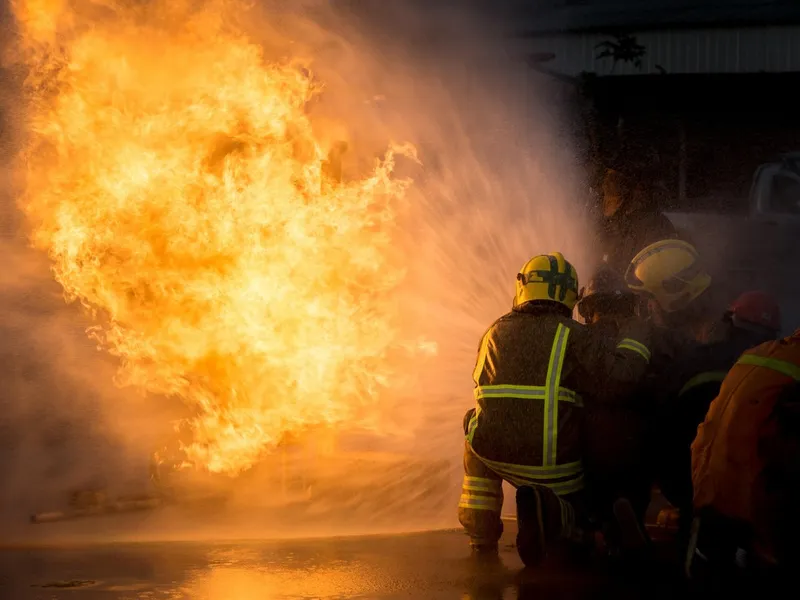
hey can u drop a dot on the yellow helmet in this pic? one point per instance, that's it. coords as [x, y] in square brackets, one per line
[670, 271]
[548, 277]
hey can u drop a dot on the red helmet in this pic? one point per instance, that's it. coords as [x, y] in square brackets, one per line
[756, 308]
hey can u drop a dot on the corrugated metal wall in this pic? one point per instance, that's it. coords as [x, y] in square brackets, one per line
[750, 50]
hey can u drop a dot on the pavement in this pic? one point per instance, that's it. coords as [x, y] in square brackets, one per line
[433, 564]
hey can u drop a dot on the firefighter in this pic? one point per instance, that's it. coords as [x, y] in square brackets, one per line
[670, 278]
[630, 220]
[746, 465]
[753, 318]
[675, 296]
[614, 429]
[536, 368]
[606, 301]
[694, 381]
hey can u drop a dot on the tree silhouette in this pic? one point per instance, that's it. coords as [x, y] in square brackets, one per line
[624, 48]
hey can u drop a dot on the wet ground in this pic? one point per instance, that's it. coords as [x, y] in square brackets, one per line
[423, 565]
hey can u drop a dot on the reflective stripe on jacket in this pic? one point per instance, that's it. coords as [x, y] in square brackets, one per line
[534, 372]
[726, 464]
[705, 378]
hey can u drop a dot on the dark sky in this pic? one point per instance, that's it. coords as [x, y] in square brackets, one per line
[554, 15]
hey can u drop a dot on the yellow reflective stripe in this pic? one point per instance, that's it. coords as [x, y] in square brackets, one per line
[481, 484]
[553, 472]
[781, 366]
[491, 498]
[474, 479]
[473, 424]
[551, 392]
[506, 470]
[565, 395]
[635, 346]
[509, 391]
[482, 352]
[477, 488]
[701, 379]
[563, 488]
[491, 503]
[526, 475]
[525, 392]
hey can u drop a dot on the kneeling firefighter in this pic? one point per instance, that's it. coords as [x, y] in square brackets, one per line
[670, 280]
[536, 367]
[694, 381]
[746, 465]
[615, 429]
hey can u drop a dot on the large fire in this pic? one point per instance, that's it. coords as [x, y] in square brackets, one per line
[180, 188]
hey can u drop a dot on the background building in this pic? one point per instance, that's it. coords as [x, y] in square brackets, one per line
[696, 94]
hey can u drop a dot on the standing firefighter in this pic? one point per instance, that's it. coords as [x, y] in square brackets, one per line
[631, 219]
[536, 367]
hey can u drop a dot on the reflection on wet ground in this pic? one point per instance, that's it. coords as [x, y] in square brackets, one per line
[425, 565]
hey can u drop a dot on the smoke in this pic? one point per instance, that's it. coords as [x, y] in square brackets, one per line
[63, 424]
[497, 183]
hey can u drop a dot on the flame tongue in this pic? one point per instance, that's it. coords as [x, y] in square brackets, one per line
[176, 182]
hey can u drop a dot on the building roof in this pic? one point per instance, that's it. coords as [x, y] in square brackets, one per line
[565, 16]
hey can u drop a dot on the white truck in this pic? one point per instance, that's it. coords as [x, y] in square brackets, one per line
[759, 249]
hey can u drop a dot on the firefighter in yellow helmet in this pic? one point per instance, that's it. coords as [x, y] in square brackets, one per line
[536, 368]
[669, 274]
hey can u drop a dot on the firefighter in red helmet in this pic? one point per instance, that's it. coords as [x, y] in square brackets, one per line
[695, 380]
[757, 312]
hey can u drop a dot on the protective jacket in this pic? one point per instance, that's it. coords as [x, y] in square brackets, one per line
[614, 448]
[668, 346]
[687, 388]
[696, 378]
[535, 370]
[728, 464]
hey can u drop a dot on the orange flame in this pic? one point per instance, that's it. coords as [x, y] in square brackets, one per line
[179, 187]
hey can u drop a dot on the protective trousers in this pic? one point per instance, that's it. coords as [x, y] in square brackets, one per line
[481, 502]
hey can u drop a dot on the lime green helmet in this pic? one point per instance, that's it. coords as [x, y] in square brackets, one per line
[547, 278]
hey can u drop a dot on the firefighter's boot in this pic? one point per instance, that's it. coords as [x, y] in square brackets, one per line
[485, 555]
[632, 537]
[543, 519]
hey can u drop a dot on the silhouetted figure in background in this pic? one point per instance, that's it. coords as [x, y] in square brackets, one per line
[631, 219]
